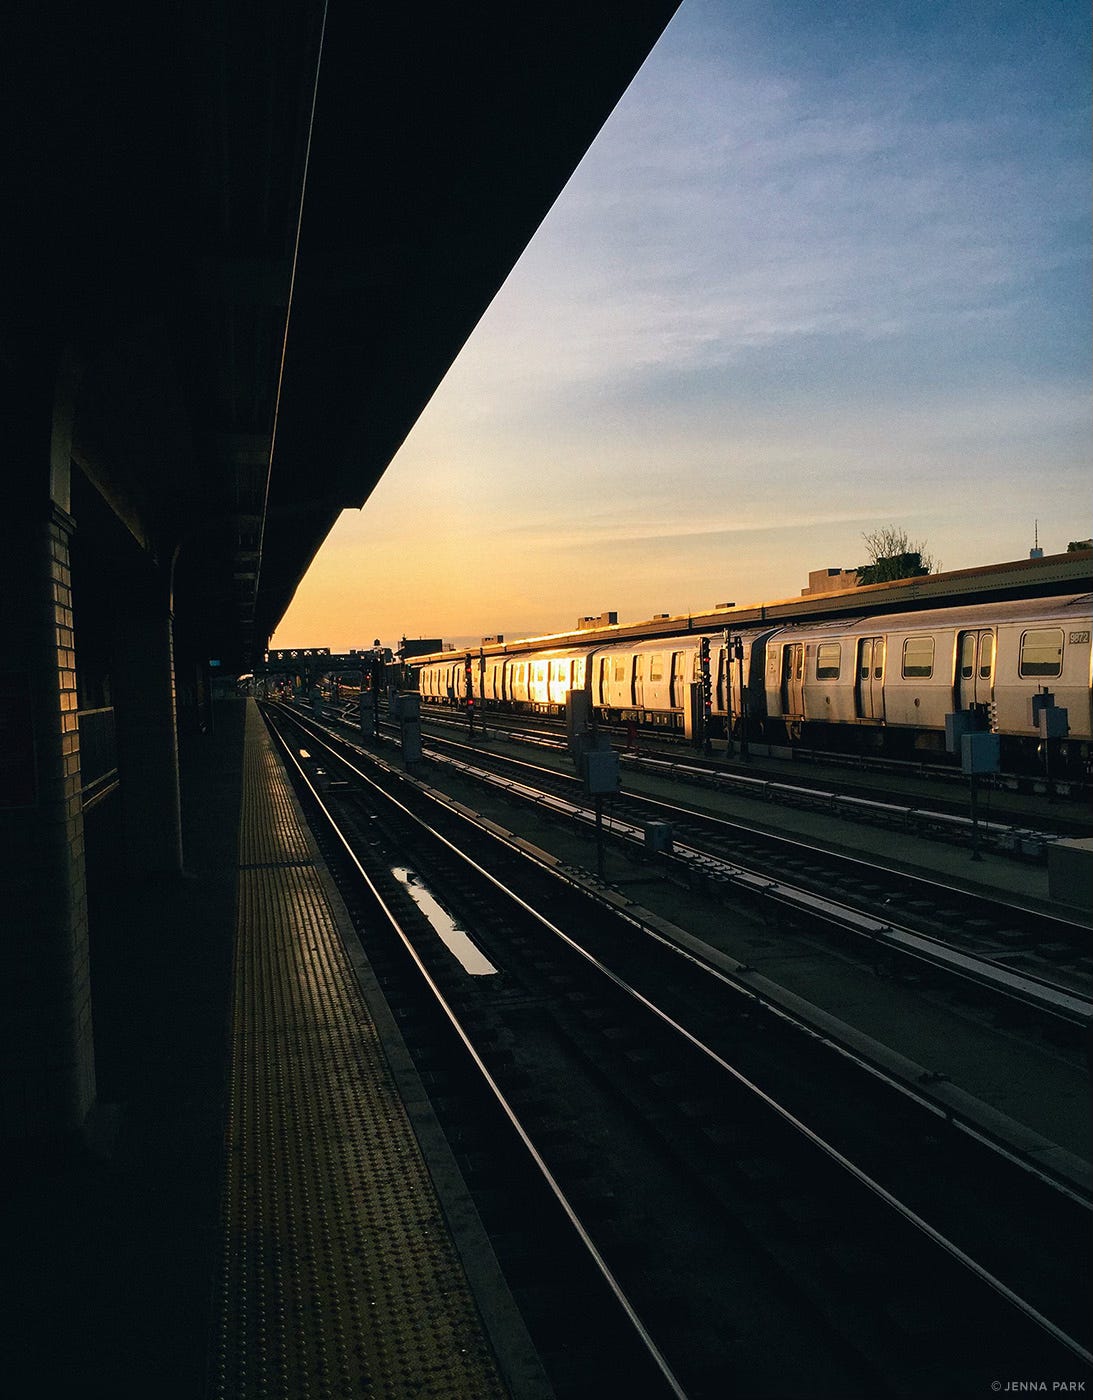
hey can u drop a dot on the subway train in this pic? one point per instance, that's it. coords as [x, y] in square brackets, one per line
[872, 684]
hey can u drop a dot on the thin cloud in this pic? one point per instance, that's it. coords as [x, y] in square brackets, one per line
[811, 277]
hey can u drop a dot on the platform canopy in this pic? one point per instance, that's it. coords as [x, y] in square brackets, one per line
[159, 234]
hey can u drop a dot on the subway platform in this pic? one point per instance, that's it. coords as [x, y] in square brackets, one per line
[261, 1204]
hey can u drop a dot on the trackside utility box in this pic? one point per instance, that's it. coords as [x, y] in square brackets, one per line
[1054, 722]
[577, 713]
[957, 724]
[658, 837]
[601, 771]
[409, 717]
[1070, 872]
[980, 753]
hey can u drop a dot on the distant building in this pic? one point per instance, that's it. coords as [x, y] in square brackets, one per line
[1077, 545]
[424, 646]
[606, 619]
[829, 581]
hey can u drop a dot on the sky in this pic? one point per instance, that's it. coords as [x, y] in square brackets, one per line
[825, 269]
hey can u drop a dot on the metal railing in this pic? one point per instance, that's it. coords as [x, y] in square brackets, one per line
[98, 754]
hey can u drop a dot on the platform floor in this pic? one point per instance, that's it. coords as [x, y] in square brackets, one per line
[338, 1273]
[251, 1212]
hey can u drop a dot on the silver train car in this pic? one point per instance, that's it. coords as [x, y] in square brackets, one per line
[870, 684]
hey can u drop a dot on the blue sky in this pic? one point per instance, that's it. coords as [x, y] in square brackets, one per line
[826, 268]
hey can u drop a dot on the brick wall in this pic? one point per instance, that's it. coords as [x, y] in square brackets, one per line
[47, 1072]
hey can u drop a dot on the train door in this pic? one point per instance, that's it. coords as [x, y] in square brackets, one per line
[678, 681]
[793, 679]
[870, 685]
[639, 679]
[974, 669]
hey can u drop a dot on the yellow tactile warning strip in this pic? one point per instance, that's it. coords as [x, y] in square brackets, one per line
[338, 1277]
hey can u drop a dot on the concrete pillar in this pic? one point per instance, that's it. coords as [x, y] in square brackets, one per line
[47, 1067]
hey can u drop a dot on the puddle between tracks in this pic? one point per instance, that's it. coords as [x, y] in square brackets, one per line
[456, 939]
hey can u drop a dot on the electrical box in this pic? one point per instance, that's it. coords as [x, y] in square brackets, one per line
[957, 724]
[980, 753]
[409, 717]
[658, 837]
[1042, 700]
[601, 771]
[1054, 722]
[578, 712]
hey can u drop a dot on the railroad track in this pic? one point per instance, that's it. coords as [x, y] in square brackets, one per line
[684, 1112]
[807, 923]
[931, 814]
[1017, 955]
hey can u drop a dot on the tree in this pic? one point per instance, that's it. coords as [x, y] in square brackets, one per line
[893, 555]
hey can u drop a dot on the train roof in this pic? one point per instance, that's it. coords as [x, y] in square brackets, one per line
[1022, 580]
[1015, 610]
[556, 653]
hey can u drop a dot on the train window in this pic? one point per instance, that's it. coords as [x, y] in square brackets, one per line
[619, 668]
[866, 658]
[918, 657]
[967, 655]
[986, 654]
[1042, 652]
[878, 658]
[828, 661]
[656, 667]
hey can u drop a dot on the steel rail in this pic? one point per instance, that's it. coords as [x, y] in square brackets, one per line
[1062, 1180]
[905, 1212]
[1006, 837]
[1044, 996]
[761, 886]
[601, 1265]
[554, 738]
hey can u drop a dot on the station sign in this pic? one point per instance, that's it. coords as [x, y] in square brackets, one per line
[318, 660]
[288, 656]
